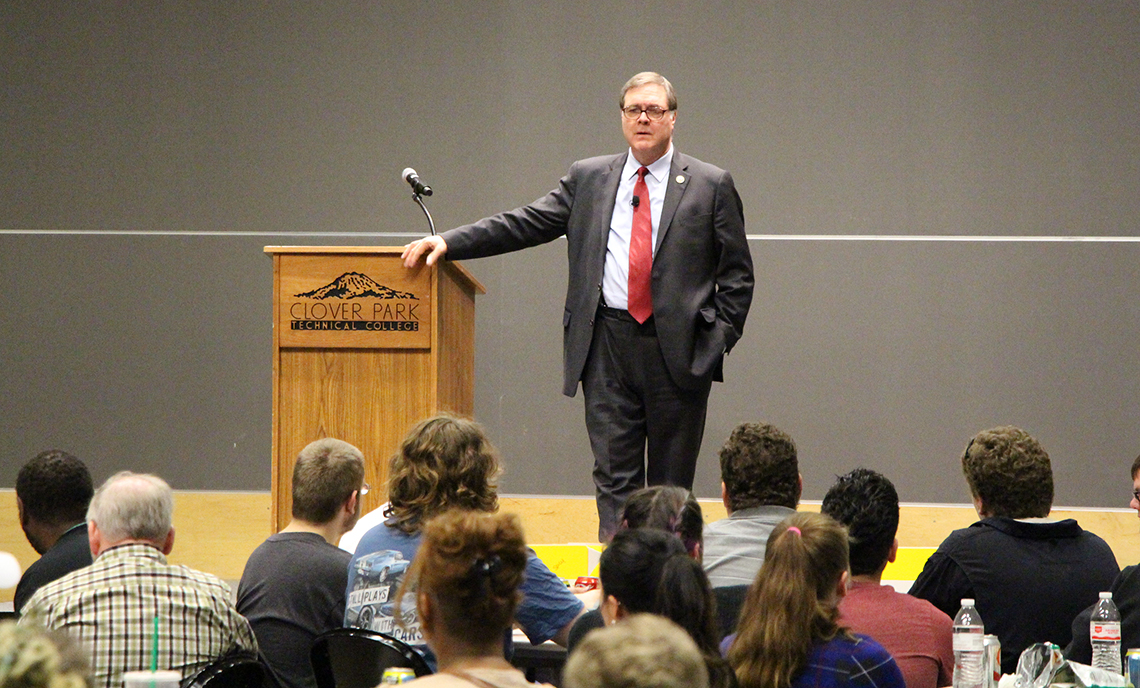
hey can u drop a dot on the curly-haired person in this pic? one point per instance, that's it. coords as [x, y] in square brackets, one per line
[1030, 576]
[444, 463]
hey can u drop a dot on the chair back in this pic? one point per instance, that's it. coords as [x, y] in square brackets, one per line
[357, 658]
[238, 670]
[729, 601]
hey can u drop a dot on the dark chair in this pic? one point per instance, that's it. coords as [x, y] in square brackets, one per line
[729, 600]
[239, 670]
[356, 658]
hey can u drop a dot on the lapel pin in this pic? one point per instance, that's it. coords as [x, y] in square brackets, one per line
[680, 179]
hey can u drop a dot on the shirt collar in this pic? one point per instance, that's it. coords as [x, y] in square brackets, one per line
[659, 169]
[131, 550]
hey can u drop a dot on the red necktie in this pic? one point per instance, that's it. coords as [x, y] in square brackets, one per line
[640, 300]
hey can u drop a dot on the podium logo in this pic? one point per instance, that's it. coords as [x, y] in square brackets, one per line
[337, 309]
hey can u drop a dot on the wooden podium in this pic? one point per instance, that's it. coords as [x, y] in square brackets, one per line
[363, 349]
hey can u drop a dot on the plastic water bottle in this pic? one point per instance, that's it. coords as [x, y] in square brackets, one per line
[1104, 632]
[969, 650]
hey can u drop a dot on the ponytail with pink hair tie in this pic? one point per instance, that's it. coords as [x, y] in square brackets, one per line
[794, 529]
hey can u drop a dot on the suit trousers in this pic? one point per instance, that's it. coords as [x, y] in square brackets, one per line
[643, 428]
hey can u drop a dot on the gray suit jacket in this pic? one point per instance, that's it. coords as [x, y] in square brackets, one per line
[702, 269]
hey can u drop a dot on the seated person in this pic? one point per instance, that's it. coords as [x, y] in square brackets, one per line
[661, 507]
[110, 605]
[1125, 594]
[34, 658]
[466, 578]
[642, 651]
[647, 570]
[916, 634]
[1028, 575]
[789, 635]
[292, 589]
[443, 463]
[53, 491]
[760, 485]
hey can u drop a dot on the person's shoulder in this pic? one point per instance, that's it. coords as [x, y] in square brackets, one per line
[694, 165]
[865, 646]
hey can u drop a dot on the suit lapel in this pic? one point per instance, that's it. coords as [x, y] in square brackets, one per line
[677, 182]
[610, 181]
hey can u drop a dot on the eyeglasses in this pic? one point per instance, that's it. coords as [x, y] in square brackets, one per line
[633, 112]
[1136, 495]
[364, 489]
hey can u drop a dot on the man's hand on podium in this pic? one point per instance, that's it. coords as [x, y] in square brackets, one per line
[412, 252]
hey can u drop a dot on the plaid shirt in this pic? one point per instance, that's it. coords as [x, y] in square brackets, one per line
[110, 608]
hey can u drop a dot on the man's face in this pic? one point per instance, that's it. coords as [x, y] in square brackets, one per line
[1135, 488]
[649, 140]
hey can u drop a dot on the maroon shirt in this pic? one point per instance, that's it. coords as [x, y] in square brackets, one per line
[914, 631]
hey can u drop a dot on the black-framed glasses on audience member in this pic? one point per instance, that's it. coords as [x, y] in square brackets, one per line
[632, 112]
[1136, 495]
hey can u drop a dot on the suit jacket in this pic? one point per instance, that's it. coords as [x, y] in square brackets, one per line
[69, 553]
[702, 269]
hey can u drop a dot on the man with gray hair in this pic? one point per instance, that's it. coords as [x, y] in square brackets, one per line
[293, 587]
[113, 606]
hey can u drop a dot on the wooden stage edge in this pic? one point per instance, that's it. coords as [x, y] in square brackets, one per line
[217, 531]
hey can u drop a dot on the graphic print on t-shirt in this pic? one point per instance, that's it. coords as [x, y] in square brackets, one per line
[374, 582]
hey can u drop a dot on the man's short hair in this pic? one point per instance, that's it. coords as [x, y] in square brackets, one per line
[640, 651]
[646, 78]
[326, 474]
[133, 506]
[444, 462]
[867, 503]
[1010, 472]
[758, 466]
[55, 488]
[1135, 467]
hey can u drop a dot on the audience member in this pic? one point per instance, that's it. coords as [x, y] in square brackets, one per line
[1125, 593]
[443, 463]
[661, 507]
[52, 494]
[760, 486]
[293, 586]
[647, 570]
[789, 633]
[35, 658]
[642, 651]
[1029, 576]
[670, 508]
[916, 634]
[111, 605]
[466, 578]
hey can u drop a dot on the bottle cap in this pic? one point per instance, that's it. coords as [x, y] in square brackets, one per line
[967, 602]
[1106, 596]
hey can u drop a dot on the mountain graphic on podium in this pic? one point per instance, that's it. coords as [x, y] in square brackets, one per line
[353, 285]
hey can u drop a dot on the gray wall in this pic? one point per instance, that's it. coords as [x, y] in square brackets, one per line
[150, 150]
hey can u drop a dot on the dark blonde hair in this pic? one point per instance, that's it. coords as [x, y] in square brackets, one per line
[444, 463]
[1010, 472]
[793, 603]
[31, 657]
[640, 651]
[470, 566]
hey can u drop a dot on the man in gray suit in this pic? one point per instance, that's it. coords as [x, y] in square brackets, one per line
[659, 262]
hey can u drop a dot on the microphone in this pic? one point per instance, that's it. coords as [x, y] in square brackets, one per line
[409, 175]
[635, 202]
